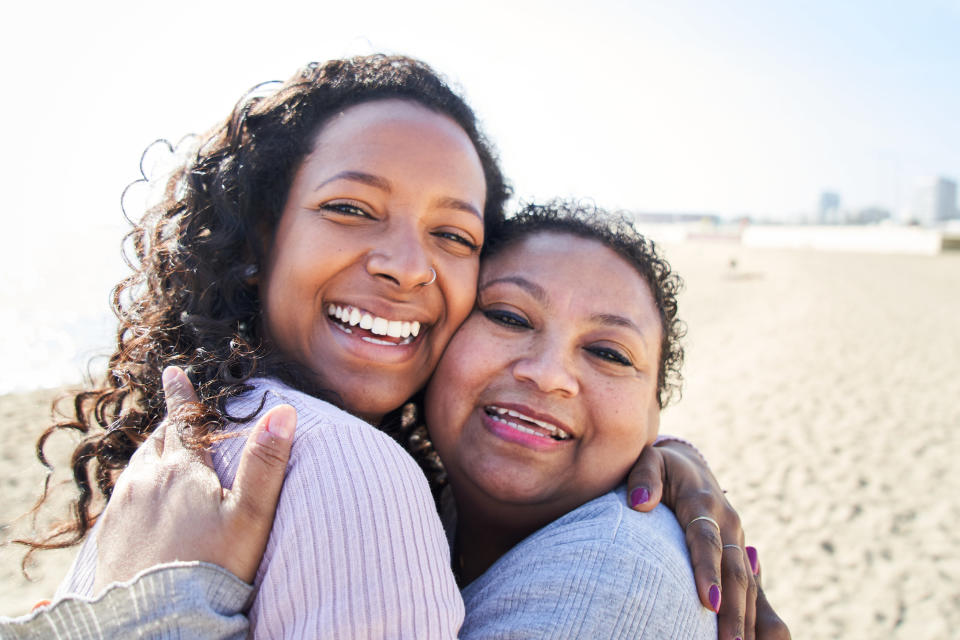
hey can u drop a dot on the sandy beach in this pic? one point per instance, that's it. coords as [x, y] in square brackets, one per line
[825, 390]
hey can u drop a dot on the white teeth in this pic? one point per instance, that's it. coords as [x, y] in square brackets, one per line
[552, 429]
[352, 316]
[379, 326]
[393, 328]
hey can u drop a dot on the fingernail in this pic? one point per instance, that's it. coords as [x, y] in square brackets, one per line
[715, 598]
[639, 496]
[754, 559]
[281, 424]
[169, 375]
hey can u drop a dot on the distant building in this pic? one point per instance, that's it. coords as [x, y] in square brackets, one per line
[829, 211]
[870, 215]
[934, 202]
[652, 217]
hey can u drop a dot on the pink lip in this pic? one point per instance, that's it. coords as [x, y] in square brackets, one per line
[529, 440]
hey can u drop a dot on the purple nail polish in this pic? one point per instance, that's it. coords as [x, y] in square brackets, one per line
[715, 598]
[754, 559]
[639, 496]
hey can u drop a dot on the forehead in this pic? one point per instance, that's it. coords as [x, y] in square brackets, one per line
[576, 271]
[393, 125]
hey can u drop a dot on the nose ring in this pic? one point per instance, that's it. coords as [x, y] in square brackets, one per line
[432, 280]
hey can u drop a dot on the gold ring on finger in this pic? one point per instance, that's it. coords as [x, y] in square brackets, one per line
[707, 518]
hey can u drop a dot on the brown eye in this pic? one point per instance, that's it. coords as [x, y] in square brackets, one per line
[456, 237]
[506, 318]
[346, 209]
[611, 355]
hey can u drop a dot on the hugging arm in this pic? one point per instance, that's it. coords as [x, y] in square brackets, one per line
[356, 549]
[168, 506]
[725, 570]
[178, 600]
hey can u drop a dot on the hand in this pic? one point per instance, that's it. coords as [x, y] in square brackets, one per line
[168, 504]
[722, 566]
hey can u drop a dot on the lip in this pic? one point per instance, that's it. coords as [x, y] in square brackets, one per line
[536, 442]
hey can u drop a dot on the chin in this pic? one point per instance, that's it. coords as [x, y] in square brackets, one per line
[520, 489]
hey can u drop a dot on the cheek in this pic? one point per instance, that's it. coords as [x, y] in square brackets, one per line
[460, 292]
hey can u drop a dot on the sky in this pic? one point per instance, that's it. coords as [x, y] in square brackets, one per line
[736, 107]
[745, 107]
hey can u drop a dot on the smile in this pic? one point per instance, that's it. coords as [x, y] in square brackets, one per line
[526, 424]
[397, 332]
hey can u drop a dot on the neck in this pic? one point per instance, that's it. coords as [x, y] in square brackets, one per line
[487, 529]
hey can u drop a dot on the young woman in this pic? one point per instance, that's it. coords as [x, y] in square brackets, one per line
[326, 237]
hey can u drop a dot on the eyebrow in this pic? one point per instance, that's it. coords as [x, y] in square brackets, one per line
[359, 176]
[459, 205]
[535, 290]
[383, 184]
[614, 320]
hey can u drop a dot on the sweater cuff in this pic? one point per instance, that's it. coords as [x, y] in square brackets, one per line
[174, 600]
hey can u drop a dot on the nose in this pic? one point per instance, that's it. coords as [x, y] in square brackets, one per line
[548, 367]
[401, 258]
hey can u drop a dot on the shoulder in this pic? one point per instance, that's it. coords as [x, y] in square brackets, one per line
[328, 440]
[356, 543]
[602, 570]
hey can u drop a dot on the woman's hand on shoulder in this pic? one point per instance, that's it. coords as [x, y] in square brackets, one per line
[168, 504]
[726, 572]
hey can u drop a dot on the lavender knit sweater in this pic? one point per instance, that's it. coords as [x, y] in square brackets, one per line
[357, 549]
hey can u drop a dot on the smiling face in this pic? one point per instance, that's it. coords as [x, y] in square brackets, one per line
[547, 393]
[391, 194]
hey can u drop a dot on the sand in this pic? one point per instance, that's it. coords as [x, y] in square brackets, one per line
[825, 390]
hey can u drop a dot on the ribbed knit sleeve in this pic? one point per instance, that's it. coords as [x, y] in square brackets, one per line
[601, 571]
[357, 549]
[167, 602]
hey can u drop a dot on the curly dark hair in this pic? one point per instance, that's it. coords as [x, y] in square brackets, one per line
[190, 300]
[612, 229]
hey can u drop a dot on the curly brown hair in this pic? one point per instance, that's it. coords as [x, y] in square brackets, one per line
[190, 300]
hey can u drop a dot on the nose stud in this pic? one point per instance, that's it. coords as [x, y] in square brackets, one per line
[432, 280]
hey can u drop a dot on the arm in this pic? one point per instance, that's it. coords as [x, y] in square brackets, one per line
[172, 601]
[675, 471]
[356, 549]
